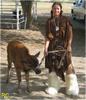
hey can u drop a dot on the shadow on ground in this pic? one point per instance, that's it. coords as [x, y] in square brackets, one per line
[37, 86]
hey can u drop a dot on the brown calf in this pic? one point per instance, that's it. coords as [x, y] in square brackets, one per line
[18, 54]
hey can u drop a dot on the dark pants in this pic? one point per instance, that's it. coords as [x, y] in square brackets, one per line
[52, 62]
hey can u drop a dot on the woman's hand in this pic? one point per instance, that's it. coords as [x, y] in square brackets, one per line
[46, 47]
[45, 52]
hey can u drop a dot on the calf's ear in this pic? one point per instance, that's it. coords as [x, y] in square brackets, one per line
[37, 54]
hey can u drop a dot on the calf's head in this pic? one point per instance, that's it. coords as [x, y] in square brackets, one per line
[32, 63]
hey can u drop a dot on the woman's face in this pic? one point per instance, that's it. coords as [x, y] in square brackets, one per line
[56, 10]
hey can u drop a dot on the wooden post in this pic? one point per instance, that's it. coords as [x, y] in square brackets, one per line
[17, 10]
[35, 10]
[1, 7]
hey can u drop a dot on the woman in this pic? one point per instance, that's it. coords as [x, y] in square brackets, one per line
[58, 52]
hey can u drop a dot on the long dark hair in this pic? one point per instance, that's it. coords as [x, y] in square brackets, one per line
[56, 3]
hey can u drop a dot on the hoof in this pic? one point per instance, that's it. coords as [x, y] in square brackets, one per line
[7, 81]
[28, 90]
[51, 91]
[19, 91]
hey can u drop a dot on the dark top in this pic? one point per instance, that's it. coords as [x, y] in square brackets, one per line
[57, 32]
[60, 29]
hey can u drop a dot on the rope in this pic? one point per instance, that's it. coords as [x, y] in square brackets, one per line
[61, 60]
[41, 60]
[54, 51]
[61, 57]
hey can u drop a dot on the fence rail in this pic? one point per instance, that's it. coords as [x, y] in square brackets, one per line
[10, 16]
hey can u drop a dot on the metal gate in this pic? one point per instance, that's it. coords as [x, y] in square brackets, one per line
[11, 14]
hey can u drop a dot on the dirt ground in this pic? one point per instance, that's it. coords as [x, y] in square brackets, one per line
[34, 40]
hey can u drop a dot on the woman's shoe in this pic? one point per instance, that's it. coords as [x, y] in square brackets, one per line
[72, 87]
[53, 84]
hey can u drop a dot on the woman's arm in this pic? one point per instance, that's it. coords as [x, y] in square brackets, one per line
[46, 46]
[47, 40]
[69, 36]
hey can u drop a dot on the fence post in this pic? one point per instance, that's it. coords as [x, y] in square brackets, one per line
[35, 10]
[17, 10]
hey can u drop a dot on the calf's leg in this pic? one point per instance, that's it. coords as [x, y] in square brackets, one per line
[18, 71]
[27, 80]
[9, 66]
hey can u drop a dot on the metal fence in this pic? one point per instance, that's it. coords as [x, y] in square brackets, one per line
[11, 14]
